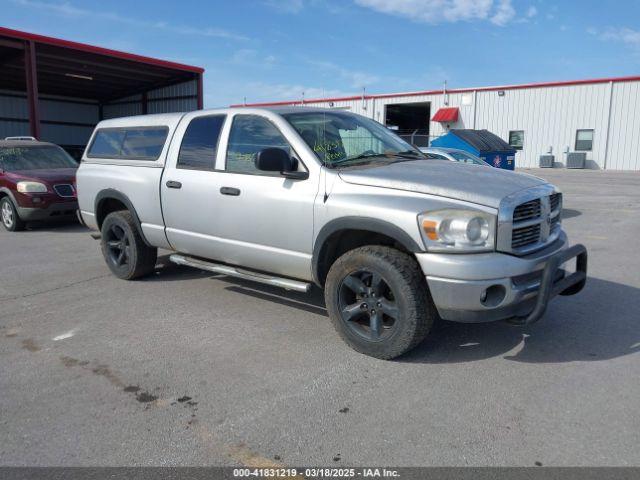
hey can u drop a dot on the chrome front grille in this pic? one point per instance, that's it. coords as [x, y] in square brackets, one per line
[555, 201]
[64, 190]
[521, 237]
[529, 220]
[527, 211]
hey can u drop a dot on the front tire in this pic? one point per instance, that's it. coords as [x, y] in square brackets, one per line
[11, 221]
[123, 248]
[379, 301]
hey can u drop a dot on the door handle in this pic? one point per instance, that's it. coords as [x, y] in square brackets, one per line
[234, 192]
[173, 184]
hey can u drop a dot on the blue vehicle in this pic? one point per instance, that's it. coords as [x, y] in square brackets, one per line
[481, 143]
[453, 155]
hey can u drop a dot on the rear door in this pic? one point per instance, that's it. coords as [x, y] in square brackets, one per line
[190, 185]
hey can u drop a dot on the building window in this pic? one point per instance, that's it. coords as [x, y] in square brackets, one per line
[516, 139]
[584, 140]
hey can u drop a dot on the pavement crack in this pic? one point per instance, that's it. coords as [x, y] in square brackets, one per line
[54, 289]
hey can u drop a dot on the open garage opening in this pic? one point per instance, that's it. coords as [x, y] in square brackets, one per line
[57, 90]
[410, 121]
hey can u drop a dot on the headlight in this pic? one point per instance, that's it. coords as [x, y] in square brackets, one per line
[458, 230]
[32, 187]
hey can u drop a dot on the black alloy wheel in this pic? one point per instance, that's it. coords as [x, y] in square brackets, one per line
[368, 306]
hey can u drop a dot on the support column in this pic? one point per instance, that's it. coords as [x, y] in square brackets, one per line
[31, 73]
[145, 103]
[200, 92]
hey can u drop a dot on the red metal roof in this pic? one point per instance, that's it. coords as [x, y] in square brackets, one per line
[567, 83]
[8, 32]
[446, 115]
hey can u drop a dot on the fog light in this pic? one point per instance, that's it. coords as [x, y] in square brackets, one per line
[493, 296]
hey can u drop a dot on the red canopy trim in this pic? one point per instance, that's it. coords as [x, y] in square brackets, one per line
[446, 115]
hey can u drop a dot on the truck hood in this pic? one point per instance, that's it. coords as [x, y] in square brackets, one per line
[470, 183]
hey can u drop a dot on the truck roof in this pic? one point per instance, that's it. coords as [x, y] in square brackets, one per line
[24, 143]
[174, 118]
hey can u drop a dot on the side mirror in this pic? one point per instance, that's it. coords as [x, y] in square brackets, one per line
[278, 160]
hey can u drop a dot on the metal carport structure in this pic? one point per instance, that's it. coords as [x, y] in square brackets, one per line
[57, 90]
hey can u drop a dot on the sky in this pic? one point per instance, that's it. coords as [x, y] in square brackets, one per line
[268, 50]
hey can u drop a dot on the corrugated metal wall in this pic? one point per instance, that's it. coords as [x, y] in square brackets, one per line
[549, 117]
[125, 107]
[68, 121]
[624, 130]
[63, 120]
[12, 107]
[182, 97]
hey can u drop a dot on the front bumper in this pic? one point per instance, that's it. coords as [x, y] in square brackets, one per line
[495, 286]
[54, 211]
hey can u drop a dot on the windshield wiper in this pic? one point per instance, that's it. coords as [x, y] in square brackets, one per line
[362, 156]
[406, 154]
[409, 154]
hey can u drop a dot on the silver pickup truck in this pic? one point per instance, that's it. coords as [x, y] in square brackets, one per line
[298, 196]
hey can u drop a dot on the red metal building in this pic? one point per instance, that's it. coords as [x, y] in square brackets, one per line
[57, 90]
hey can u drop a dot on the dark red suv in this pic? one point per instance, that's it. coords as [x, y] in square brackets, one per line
[37, 182]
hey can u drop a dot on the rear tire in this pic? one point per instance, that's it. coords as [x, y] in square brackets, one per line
[379, 301]
[123, 248]
[11, 221]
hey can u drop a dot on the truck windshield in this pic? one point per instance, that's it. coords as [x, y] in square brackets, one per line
[344, 139]
[35, 158]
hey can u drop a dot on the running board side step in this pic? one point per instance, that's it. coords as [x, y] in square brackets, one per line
[286, 283]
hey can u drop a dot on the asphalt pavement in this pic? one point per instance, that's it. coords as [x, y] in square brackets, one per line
[189, 368]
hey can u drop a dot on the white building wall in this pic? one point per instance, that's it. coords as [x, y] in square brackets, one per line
[624, 129]
[549, 116]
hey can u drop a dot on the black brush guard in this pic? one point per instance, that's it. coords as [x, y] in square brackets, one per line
[567, 285]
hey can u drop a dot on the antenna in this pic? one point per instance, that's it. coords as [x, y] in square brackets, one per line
[364, 104]
[303, 97]
[444, 93]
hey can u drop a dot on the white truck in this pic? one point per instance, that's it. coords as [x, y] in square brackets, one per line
[297, 196]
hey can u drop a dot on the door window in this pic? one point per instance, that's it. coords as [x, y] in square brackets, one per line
[584, 140]
[200, 143]
[250, 134]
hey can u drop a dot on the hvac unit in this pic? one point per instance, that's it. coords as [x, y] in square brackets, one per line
[546, 161]
[576, 159]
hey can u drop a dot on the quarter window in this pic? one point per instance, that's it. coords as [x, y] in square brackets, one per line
[250, 134]
[107, 143]
[143, 143]
[200, 143]
[584, 140]
[516, 139]
[138, 143]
